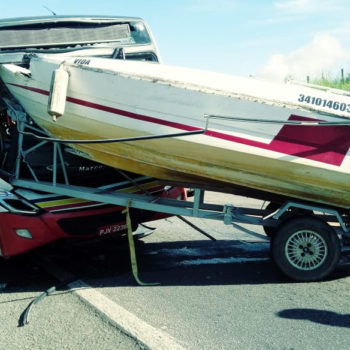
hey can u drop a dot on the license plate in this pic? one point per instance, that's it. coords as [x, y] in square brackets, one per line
[110, 229]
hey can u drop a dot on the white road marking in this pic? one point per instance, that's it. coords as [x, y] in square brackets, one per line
[151, 337]
[148, 335]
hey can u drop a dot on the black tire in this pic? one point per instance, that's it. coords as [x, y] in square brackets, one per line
[306, 248]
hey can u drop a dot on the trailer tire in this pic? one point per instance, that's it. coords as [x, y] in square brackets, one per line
[306, 248]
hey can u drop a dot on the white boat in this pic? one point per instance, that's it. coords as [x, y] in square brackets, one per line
[267, 138]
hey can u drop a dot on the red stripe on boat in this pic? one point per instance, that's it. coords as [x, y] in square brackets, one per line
[326, 144]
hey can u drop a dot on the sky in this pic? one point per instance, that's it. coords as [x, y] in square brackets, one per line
[274, 39]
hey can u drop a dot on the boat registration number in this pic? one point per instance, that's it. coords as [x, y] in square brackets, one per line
[317, 101]
[82, 61]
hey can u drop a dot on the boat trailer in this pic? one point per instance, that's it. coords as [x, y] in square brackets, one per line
[306, 238]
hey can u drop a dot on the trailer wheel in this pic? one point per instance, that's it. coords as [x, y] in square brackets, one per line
[306, 248]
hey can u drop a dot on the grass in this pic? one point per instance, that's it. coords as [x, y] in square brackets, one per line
[335, 83]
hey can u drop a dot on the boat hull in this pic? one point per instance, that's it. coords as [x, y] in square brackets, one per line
[285, 160]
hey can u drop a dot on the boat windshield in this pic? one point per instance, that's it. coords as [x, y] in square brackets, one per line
[51, 35]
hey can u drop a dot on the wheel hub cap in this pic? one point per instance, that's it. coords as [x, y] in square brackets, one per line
[306, 250]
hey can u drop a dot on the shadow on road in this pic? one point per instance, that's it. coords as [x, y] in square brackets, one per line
[175, 263]
[22, 274]
[324, 317]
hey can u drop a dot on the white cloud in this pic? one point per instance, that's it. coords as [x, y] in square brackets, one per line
[322, 56]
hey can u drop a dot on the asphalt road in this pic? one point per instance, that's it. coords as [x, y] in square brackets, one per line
[212, 295]
[60, 321]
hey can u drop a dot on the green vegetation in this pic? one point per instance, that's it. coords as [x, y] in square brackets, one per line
[343, 84]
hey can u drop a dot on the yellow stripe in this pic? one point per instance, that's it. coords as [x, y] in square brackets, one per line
[61, 202]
